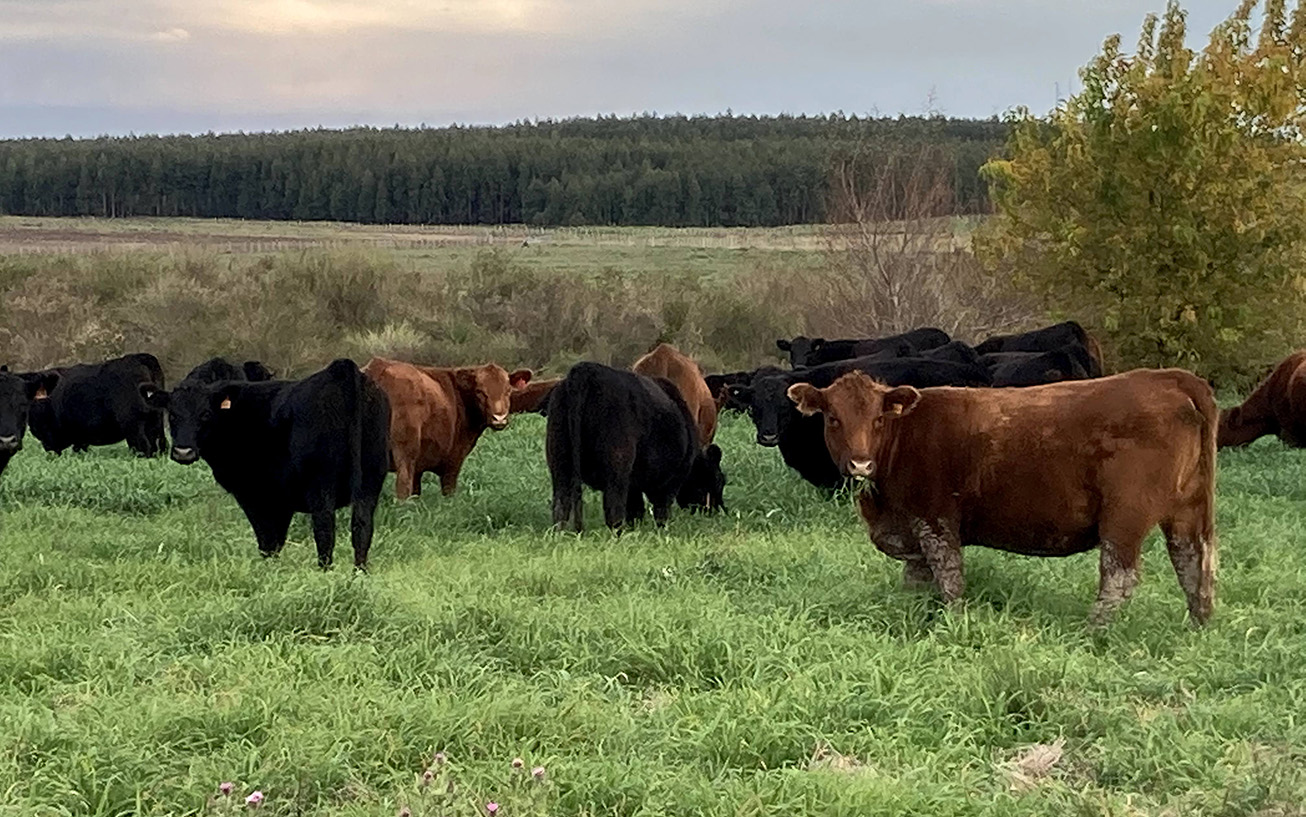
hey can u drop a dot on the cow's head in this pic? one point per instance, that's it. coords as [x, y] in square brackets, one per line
[490, 388]
[857, 412]
[800, 349]
[193, 411]
[705, 486]
[18, 395]
[768, 406]
[1239, 427]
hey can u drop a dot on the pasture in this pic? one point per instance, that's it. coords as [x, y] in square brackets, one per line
[764, 661]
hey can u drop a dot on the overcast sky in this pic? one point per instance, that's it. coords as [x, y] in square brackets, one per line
[88, 67]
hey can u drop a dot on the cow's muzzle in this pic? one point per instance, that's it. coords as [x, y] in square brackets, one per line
[10, 444]
[863, 469]
[499, 422]
[768, 439]
[185, 456]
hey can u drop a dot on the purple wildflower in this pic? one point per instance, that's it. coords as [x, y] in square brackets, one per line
[538, 773]
[254, 800]
[226, 788]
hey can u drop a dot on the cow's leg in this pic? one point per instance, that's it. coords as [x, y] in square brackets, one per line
[449, 479]
[361, 524]
[917, 575]
[661, 511]
[324, 535]
[139, 441]
[270, 526]
[1193, 553]
[408, 480]
[942, 550]
[568, 506]
[634, 506]
[1117, 576]
[614, 502]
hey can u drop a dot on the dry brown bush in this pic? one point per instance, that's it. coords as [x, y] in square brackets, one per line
[897, 258]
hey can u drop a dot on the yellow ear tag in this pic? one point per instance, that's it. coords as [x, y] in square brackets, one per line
[897, 408]
[41, 393]
[225, 404]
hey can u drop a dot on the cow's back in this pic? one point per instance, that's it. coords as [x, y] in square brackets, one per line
[422, 410]
[667, 362]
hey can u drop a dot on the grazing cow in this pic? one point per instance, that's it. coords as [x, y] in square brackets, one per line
[438, 414]
[285, 447]
[101, 404]
[1047, 471]
[667, 361]
[17, 393]
[217, 369]
[534, 396]
[804, 351]
[631, 437]
[719, 385]
[1277, 406]
[1014, 369]
[779, 424]
[1047, 339]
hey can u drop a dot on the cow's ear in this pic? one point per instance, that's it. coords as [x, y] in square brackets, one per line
[154, 396]
[783, 345]
[40, 385]
[713, 455]
[520, 378]
[807, 397]
[900, 401]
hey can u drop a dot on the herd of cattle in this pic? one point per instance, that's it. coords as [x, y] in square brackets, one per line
[1019, 443]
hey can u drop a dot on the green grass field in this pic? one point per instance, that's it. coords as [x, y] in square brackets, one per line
[760, 662]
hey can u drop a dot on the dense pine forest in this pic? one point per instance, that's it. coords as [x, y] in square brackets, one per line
[668, 171]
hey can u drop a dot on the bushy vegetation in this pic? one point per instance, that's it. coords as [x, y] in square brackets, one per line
[670, 171]
[1163, 201]
[297, 310]
[762, 662]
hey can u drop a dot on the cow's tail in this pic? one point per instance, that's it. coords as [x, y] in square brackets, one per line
[1094, 355]
[346, 372]
[1192, 540]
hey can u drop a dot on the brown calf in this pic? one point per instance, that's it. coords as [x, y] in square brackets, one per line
[666, 361]
[1045, 470]
[1277, 406]
[437, 415]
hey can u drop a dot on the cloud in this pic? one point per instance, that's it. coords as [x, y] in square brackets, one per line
[172, 35]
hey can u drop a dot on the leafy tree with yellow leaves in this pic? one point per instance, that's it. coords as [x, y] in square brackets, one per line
[1164, 203]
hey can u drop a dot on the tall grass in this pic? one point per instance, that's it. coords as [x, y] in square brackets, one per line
[764, 661]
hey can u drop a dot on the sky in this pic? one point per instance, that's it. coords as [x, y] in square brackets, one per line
[91, 67]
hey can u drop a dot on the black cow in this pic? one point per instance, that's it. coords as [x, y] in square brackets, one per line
[801, 439]
[804, 351]
[286, 447]
[719, 385]
[1014, 369]
[102, 404]
[217, 369]
[956, 351]
[1048, 339]
[631, 437]
[17, 393]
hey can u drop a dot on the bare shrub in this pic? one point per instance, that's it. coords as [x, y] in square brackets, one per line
[897, 258]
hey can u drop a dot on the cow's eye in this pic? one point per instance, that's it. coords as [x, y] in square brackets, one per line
[834, 422]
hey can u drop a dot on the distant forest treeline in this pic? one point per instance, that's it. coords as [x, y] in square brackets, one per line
[669, 171]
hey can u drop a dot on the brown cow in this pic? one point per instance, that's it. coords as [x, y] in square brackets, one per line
[1045, 470]
[666, 361]
[533, 396]
[438, 414]
[1277, 406]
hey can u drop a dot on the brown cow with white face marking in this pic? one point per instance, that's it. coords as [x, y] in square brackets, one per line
[1046, 471]
[665, 360]
[438, 414]
[1277, 406]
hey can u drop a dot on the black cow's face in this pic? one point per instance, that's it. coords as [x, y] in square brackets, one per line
[800, 349]
[704, 488]
[192, 411]
[770, 409]
[17, 394]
